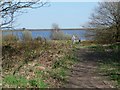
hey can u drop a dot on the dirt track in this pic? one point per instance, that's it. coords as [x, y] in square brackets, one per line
[85, 73]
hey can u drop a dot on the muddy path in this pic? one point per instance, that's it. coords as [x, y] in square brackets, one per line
[86, 74]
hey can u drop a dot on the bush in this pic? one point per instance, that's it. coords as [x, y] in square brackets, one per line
[59, 35]
[26, 35]
[104, 37]
[38, 38]
[9, 37]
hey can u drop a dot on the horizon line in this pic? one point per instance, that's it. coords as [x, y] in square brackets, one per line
[44, 29]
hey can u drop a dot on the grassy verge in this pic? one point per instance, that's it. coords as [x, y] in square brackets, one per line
[110, 65]
[61, 67]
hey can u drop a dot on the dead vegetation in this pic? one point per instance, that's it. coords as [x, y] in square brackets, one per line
[38, 63]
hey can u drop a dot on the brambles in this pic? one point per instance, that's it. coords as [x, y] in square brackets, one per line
[34, 61]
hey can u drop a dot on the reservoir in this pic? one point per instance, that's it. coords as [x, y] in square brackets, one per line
[46, 34]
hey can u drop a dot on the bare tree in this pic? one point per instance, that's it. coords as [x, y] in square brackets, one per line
[55, 27]
[9, 9]
[106, 18]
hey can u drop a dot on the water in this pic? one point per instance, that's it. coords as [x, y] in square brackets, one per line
[46, 34]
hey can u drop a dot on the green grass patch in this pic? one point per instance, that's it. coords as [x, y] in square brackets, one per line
[17, 81]
[61, 67]
[59, 74]
[20, 81]
[39, 83]
[112, 70]
[110, 65]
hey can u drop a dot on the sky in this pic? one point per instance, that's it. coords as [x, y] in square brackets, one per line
[65, 14]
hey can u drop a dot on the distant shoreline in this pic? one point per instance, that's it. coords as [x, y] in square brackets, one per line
[47, 33]
[47, 29]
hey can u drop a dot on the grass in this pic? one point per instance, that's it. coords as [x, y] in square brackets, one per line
[47, 63]
[110, 65]
[37, 83]
[112, 70]
[22, 82]
[61, 67]
[15, 81]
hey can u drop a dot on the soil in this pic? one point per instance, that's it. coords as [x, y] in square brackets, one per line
[86, 73]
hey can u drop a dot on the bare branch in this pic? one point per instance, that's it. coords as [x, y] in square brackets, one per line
[9, 9]
[106, 17]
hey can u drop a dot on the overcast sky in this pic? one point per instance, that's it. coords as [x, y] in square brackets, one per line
[65, 14]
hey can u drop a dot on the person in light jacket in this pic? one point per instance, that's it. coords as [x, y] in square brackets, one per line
[73, 39]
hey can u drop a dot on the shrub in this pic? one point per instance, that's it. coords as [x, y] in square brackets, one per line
[59, 35]
[26, 35]
[38, 38]
[9, 37]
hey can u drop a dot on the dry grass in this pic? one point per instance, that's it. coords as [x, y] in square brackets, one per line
[33, 60]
